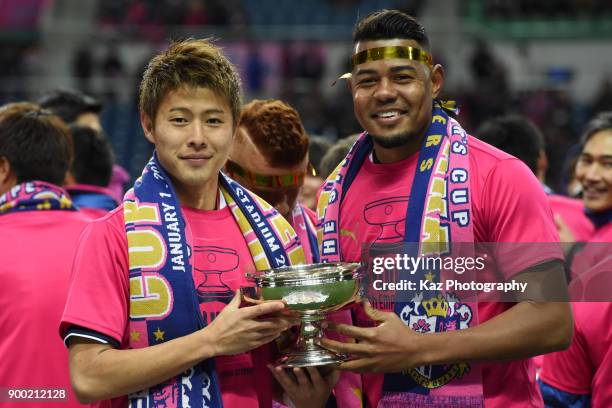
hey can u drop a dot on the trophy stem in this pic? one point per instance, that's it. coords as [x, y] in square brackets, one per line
[310, 333]
[307, 352]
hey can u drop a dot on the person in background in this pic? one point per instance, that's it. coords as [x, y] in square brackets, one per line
[580, 376]
[336, 154]
[317, 148]
[269, 156]
[519, 137]
[40, 230]
[75, 107]
[415, 176]
[91, 172]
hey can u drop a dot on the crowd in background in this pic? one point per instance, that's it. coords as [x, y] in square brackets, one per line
[302, 67]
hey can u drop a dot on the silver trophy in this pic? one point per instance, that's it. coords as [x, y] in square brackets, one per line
[310, 291]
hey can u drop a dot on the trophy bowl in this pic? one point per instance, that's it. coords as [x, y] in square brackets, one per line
[311, 292]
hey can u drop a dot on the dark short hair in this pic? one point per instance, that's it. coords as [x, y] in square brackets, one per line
[336, 154]
[93, 156]
[514, 135]
[316, 150]
[389, 24]
[603, 121]
[276, 129]
[69, 104]
[36, 143]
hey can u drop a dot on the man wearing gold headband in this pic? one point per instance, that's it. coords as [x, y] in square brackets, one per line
[415, 176]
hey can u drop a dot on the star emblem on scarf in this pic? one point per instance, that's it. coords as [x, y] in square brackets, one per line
[135, 335]
[429, 276]
[65, 202]
[159, 335]
[44, 206]
[6, 207]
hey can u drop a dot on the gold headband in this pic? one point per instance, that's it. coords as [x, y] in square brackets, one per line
[375, 54]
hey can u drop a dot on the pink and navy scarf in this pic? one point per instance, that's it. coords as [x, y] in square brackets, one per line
[35, 196]
[307, 233]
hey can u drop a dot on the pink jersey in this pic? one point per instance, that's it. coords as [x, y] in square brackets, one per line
[37, 252]
[602, 234]
[99, 295]
[586, 366]
[596, 250]
[571, 210]
[503, 210]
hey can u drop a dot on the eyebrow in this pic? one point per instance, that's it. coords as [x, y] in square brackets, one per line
[186, 110]
[598, 157]
[392, 69]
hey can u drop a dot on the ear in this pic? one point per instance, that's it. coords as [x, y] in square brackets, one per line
[8, 178]
[147, 127]
[437, 80]
[542, 165]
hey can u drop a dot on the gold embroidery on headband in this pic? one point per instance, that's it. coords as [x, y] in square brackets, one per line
[375, 54]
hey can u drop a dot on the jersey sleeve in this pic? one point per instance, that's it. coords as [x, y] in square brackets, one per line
[99, 292]
[74, 331]
[518, 218]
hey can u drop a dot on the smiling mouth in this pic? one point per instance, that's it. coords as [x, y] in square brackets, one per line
[195, 157]
[389, 114]
[196, 160]
[591, 191]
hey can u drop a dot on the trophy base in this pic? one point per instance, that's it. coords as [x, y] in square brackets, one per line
[310, 358]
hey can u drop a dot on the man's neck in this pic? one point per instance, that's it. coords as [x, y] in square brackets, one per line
[386, 155]
[201, 198]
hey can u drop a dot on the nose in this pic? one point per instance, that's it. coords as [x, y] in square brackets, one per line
[197, 136]
[385, 91]
[593, 172]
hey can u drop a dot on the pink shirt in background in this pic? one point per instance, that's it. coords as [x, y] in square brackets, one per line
[596, 249]
[602, 234]
[508, 205]
[571, 210]
[586, 366]
[119, 179]
[37, 252]
[99, 295]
